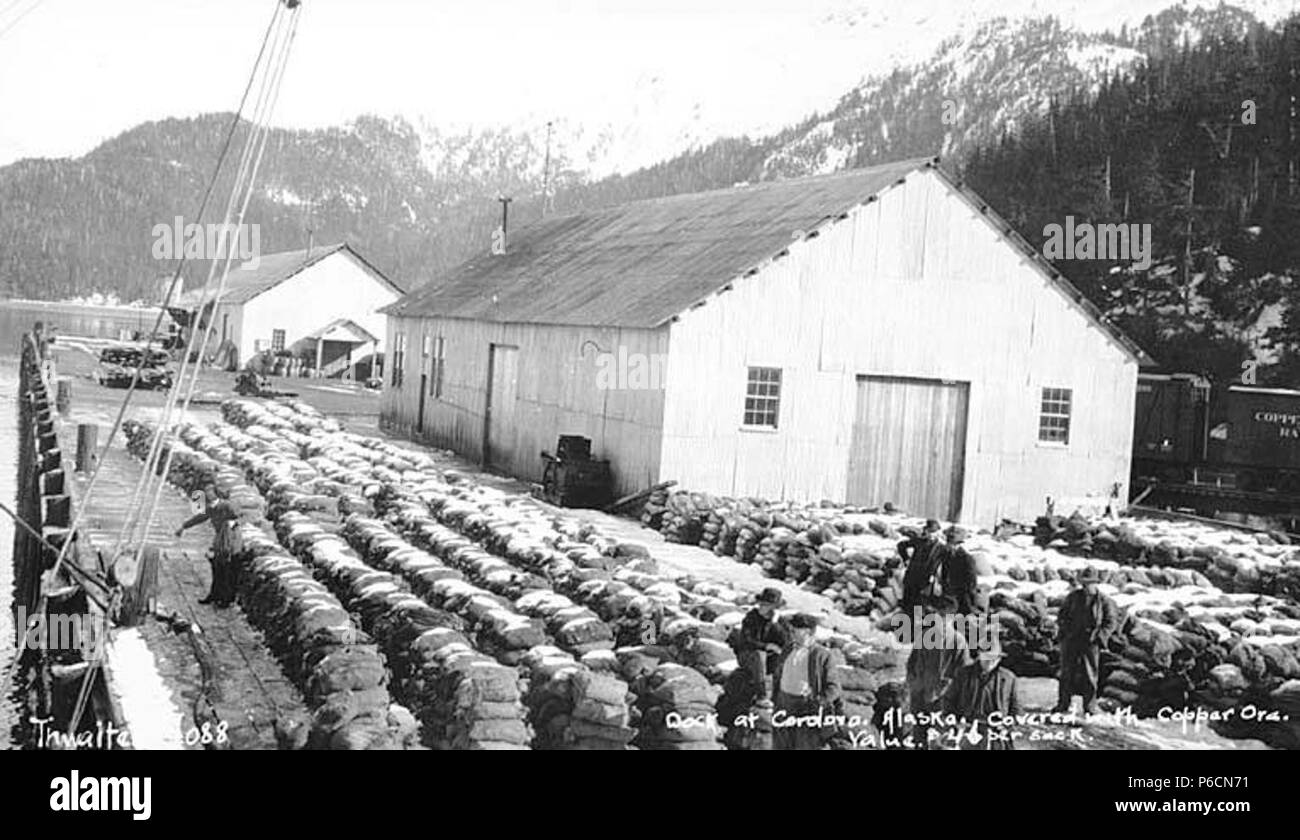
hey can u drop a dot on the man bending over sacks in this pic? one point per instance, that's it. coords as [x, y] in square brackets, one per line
[224, 517]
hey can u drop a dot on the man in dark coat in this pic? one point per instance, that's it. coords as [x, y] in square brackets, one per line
[760, 639]
[919, 554]
[979, 690]
[933, 663]
[805, 683]
[224, 518]
[1086, 622]
[958, 571]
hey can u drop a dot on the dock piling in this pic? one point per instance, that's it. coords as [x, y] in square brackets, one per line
[87, 437]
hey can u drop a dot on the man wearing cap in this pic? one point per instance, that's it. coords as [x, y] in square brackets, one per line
[958, 574]
[805, 684]
[982, 689]
[919, 554]
[1086, 622]
[760, 639]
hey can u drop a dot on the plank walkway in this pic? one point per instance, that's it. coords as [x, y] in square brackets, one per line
[250, 689]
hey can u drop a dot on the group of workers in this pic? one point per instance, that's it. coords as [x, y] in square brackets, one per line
[783, 674]
[963, 676]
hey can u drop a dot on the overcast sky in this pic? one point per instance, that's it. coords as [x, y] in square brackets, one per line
[76, 72]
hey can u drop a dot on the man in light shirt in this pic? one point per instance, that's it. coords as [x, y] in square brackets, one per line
[805, 683]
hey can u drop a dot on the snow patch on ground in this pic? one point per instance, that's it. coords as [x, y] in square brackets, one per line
[152, 719]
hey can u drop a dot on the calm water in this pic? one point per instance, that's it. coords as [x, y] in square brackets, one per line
[17, 318]
[8, 454]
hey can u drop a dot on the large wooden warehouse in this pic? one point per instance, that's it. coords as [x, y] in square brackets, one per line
[878, 335]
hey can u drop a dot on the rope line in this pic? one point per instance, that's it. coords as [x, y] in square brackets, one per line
[153, 336]
[279, 62]
[276, 78]
[130, 525]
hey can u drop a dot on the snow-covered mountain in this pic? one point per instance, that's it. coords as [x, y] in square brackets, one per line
[997, 60]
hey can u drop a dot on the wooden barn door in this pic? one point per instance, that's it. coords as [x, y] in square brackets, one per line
[909, 445]
[499, 421]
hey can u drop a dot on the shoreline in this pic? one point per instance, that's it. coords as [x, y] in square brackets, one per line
[122, 308]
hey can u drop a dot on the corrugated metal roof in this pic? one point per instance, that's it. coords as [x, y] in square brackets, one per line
[641, 263]
[246, 283]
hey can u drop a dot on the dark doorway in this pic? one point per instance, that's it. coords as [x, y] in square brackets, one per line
[419, 415]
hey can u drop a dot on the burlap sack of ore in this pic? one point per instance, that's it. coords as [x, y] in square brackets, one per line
[684, 693]
[478, 703]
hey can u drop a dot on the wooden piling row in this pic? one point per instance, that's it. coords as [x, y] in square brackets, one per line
[45, 504]
[43, 501]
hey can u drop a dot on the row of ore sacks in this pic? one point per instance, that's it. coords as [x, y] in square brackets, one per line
[801, 544]
[1234, 560]
[338, 669]
[571, 705]
[558, 571]
[463, 699]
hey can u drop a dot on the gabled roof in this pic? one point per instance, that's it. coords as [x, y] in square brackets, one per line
[643, 263]
[246, 283]
[343, 329]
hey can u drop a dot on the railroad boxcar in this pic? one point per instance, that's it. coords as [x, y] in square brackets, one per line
[1255, 432]
[1224, 447]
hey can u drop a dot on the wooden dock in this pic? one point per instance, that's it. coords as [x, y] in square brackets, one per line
[246, 686]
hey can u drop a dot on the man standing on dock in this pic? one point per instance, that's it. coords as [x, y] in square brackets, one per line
[1087, 621]
[224, 517]
[958, 573]
[932, 665]
[805, 684]
[920, 555]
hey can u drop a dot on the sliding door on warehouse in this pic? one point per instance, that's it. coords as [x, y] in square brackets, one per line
[909, 445]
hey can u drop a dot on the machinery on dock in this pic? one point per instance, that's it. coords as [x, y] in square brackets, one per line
[118, 364]
[250, 384]
[572, 478]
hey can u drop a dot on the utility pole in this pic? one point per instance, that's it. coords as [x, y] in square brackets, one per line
[546, 170]
[1187, 247]
[1290, 132]
[499, 238]
[308, 206]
